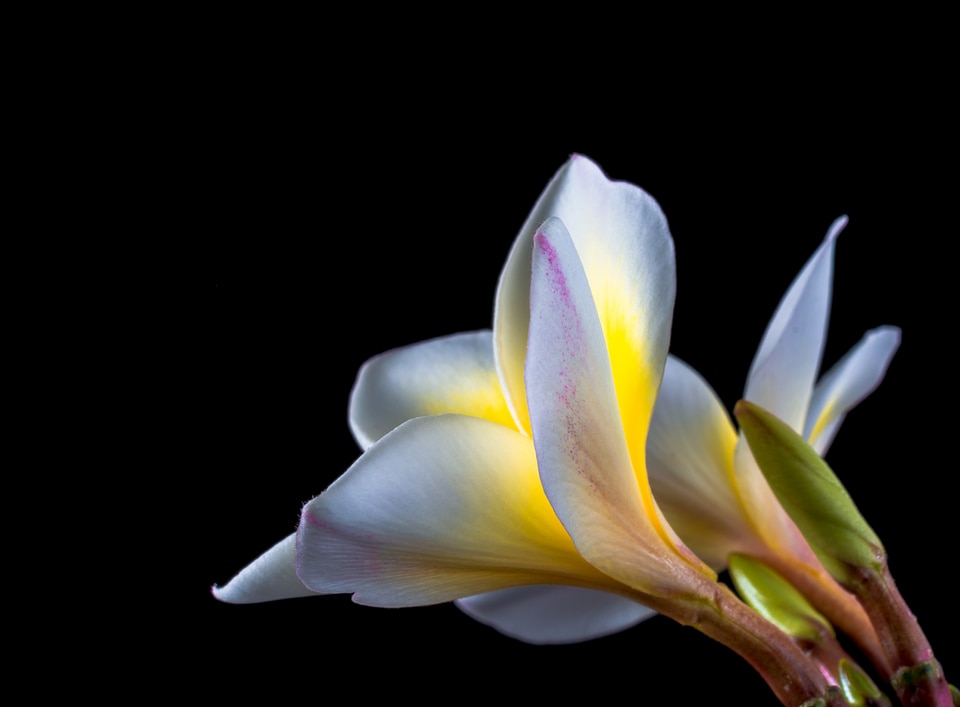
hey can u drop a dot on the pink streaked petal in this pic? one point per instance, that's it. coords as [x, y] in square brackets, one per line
[270, 577]
[441, 508]
[782, 374]
[627, 253]
[451, 374]
[848, 382]
[604, 503]
[544, 614]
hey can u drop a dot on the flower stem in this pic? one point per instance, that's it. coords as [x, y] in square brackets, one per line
[917, 678]
[793, 676]
[840, 606]
[922, 685]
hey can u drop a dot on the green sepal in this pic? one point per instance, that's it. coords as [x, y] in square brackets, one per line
[771, 596]
[811, 494]
[858, 689]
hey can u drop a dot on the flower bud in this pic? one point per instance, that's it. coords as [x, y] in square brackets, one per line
[811, 494]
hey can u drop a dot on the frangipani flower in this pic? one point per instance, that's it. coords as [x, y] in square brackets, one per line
[702, 471]
[447, 506]
[625, 252]
[517, 459]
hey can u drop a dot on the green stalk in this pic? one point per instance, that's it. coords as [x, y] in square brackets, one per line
[790, 673]
[919, 681]
[768, 593]
[849, 549]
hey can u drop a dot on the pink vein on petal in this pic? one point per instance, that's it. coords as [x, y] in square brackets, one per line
[571, 338]
[572, 346]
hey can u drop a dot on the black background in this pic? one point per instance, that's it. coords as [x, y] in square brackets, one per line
[317, 222]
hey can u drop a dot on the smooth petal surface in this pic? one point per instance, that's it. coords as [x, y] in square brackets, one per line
[442, 507]
[584, 460]
[452, 374]
[270, 577]
[690, 465]
[551, 614]
[781, 381]
[848, 382]
[782, 373]
[626, 250]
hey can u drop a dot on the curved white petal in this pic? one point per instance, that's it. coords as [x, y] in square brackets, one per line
[270, 577]
[441, 508]
[848, 382]
[451, 374]
[546, 614]
[627, 253]
[584, 460]
[783, 371]
[689, 462]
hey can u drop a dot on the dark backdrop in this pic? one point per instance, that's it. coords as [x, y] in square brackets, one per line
[321, 233]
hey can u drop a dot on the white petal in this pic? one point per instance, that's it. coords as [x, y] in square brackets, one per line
[544, 614]
[782, 373]
[848, 382]
[689, 459]
[583, 457]
[441, 508]
[452, 374]
[270, 577]
[626, 250]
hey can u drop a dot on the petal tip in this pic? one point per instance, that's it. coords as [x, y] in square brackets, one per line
[222, 594]
[890, 330]
[838, 225]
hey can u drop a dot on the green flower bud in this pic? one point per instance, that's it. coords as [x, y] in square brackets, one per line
[811, 494]
[858, 689]
[771, 596]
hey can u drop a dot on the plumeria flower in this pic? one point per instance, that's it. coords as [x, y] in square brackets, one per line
[623, 245]
[446, 505]
[702, 471]
[621, 239]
